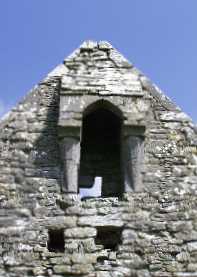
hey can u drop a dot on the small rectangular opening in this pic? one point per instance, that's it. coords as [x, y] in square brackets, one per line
[109, 237]
[56, 240]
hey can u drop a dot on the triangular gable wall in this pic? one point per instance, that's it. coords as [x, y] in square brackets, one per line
[47, 231]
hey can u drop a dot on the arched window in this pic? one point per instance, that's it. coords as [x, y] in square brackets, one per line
[100, 163]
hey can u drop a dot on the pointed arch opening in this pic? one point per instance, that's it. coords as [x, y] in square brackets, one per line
[100, 166]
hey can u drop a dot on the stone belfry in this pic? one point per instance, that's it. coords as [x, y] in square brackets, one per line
[98, 175]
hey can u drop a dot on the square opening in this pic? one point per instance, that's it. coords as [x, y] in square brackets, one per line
[56, 240]
[109, 237]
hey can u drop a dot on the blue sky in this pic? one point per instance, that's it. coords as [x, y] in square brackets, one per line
[159, 37]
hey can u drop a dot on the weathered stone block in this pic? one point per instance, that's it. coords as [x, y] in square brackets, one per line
[59, 222]
[62, 269]
[79, 258]
[108, 220]
[80, 232]
[192, 246]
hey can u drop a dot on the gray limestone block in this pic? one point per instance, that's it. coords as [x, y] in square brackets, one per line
[104, 45]
[84, 258]
[192, 267]
[183, 257]
[132, 260]
[192, 246]
[71, 103]
[88, 45]
[99, 55]
[62, 269]
[104, 273]
[80, 232]
[174, 116]
[66, 259]
[78, 210]
[82, 269]
[107, 220]
[177, 226]
[59, 222]
[128, 236]
[144, 273]
[185, 274]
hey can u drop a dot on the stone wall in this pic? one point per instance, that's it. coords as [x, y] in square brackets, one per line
[155, 229]
[158, 237]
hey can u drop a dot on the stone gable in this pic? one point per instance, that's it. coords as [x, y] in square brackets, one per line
[98, 175]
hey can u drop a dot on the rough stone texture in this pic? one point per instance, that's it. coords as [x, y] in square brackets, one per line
[158, 223]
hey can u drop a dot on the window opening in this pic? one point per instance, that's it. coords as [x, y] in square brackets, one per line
[109, 237]
[100, 152]
[56, 240]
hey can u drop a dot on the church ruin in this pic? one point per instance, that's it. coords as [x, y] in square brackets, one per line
[98, 175]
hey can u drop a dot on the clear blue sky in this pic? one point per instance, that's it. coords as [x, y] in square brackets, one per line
[158, 36]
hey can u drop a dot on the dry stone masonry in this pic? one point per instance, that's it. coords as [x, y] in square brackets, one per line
[98, 175]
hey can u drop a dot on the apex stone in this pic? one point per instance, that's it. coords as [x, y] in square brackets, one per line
[89, 44]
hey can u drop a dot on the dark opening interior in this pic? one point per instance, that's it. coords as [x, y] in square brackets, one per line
[102, 259]
[100, 153]
[56, 241]
[109, 237]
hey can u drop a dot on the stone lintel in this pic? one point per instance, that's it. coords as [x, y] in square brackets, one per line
[94, 91]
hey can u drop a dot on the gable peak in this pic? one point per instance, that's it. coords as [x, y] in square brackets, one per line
[91, 45]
